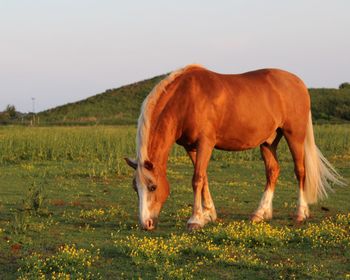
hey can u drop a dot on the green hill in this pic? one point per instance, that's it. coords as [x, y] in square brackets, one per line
[122, 106]
[114, 106]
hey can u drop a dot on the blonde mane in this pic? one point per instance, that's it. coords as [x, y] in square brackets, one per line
[148, 105]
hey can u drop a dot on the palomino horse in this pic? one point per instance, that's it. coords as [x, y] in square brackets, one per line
[202, 110]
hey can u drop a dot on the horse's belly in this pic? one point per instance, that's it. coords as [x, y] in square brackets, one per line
[244, 139]
[234, 144]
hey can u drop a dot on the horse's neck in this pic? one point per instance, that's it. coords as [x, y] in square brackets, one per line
[163, 129]
[162, 137]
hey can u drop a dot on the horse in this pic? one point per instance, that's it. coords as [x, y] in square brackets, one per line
[201, 110]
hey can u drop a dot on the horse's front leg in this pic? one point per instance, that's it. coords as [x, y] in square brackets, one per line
[203, 206]
[208, 207]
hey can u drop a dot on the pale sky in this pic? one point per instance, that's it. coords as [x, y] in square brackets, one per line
[63, 51]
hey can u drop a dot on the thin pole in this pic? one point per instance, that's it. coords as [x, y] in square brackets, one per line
[33, 103]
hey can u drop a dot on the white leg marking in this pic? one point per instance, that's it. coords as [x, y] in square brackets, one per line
[197, 212]
[196, 219]
[209, 212]
[303, 209]
[264, 210]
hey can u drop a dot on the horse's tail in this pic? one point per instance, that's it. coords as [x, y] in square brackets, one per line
[319, 172]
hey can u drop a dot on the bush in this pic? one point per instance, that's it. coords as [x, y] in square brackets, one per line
[344, 85]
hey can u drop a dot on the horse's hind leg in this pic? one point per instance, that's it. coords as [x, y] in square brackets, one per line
[208, 208]
[268, 152]
[199, 182]
[296, 146]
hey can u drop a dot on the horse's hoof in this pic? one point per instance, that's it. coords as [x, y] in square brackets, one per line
[193, 227]
[302, 214]
[256, 218]
[300, 219]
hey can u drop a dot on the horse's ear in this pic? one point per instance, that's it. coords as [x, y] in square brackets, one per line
[148, 165]
[131, 162]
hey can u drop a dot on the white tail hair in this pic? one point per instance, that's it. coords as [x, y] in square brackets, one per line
[319, 172]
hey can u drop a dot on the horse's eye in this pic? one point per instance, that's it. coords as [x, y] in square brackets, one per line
[152, 188]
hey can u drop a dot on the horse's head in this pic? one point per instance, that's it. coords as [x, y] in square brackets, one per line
[152, 189]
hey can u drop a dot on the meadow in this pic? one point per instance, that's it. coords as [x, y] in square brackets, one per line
[68, 211]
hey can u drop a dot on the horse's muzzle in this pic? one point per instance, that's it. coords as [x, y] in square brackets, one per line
[149, 224]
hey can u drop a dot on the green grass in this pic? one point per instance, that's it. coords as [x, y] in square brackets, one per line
[68, 186]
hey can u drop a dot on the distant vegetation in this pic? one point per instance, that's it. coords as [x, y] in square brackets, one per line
[11, 115]
[114, 106]
[331, 105]
[121, 106]
[344, 86]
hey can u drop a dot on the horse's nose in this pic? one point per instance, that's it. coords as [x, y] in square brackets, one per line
[149, 224]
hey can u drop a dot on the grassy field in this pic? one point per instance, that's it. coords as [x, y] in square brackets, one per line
[67, 208]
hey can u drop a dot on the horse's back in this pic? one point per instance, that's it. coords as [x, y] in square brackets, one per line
[243, 110]
[263, 89]
[267, 92]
